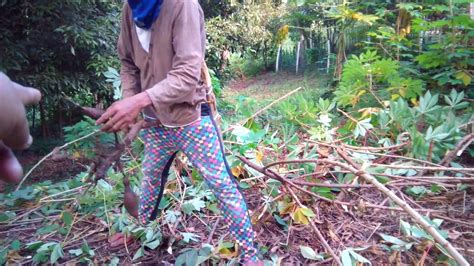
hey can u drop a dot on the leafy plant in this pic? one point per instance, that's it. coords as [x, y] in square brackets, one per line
[369, 80]
[350, 257]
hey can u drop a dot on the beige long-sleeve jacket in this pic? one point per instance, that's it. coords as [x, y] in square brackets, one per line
[170, 72]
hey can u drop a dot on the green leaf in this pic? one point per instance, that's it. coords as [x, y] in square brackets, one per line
[8, 215]
[393, 240]
[57, 253]
[16, 245]
[104, 185]
[195, 204]
[76, 252]
[114, 262]
[419, 233]
[359, 257]
[171, 216]
[140, 253]
[47, 229]
[188, 258]
[346, 258]
[190, 237]
[67, 218]
[34, 245]
[280, 221]
[309, 253]
[153, 244]
[362, 127]
[405, 228]
[417, 190]
[308, 212]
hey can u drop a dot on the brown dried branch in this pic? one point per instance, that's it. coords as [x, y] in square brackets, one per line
[458, 150]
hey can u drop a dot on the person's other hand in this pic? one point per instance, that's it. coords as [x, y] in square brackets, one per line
[14, 130]
[122, 114]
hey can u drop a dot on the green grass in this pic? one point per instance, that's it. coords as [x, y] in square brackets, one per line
[243, 98]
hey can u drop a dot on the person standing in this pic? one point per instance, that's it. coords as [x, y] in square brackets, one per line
[161, 49]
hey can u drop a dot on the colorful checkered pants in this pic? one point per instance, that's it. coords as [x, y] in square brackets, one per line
[201, 143]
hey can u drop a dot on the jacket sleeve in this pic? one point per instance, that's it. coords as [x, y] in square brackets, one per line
[129, 72]
[182, 80]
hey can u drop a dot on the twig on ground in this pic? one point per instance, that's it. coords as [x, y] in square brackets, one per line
[209, 239]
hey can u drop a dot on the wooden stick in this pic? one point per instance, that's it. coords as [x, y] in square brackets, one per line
[356, 169]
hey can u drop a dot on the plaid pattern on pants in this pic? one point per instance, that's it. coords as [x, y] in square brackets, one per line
[201, 143]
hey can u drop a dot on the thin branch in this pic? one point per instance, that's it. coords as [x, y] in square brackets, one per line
[51, 154]
[458, 150]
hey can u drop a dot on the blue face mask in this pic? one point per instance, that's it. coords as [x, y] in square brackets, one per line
[145, 12]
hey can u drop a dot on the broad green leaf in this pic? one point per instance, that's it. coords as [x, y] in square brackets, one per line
[47, 229]
[405, 228]
[308, 212]
[171, 216]
[104, 185]
[195, 204]
[140, 253]
[188, 258]
[154, 244]
[7, 216]
[16, 245]
[57, 253]
[346, 258]
[114, 262]
[393, 240]
[187, 237]
[34, 245]
[280, 221]
[359, 257]
[67, 218]
[76, 252]
[309, 253]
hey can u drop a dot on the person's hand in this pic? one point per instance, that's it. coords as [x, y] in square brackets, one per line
[122, 114]
[14, 130]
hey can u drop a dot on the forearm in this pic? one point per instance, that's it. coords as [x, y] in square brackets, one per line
[142, 100]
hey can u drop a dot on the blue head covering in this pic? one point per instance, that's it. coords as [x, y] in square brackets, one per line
[145, 12]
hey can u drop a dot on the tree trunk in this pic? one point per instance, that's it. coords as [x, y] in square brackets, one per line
[33, 119]
[44, 129]
[60, 120]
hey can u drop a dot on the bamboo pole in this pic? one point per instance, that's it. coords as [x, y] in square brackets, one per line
[277, 64]
[298, 56]
[328, 43]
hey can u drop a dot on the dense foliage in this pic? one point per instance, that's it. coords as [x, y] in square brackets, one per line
[62, 48]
